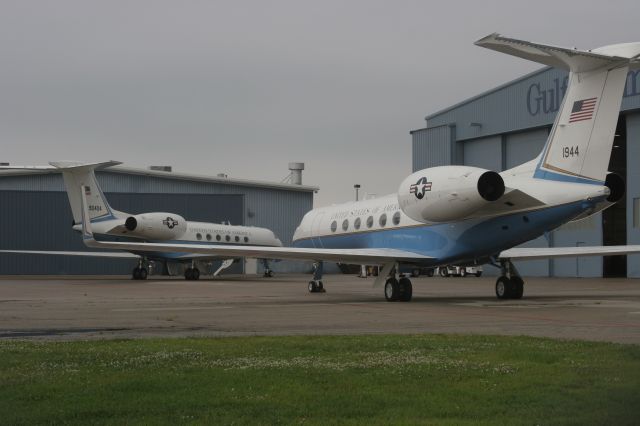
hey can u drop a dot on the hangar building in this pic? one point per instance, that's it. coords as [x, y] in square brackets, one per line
[36, 214]
[508, 126]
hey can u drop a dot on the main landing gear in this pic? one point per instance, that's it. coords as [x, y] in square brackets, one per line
[315, 285]
[509, 285]
[268, 273]
[140, 272]
[192, 273]
[398, 290]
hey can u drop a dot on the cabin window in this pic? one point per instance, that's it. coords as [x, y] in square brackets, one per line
[345, 224]
[356, 223]
[199, 236]
[369, 221]
[208, 237]
[227, 238]
[237, 238]
[383, 220]
[218, 237]
[334, 226]
[396, 218]
[246, 239]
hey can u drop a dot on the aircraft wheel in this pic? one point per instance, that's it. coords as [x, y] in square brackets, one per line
[444, 273]
[463, 272]
[479, 274]
[391, 290]
[135, 274]
[188, 274]
[405, 290]
[517, 287]
[313, 287]
[503, 288]
[415, 273]
[195, 274]
[430, 273]
[142, 273]
[268, 273]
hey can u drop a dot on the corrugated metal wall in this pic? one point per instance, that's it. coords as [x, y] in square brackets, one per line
[432, 147]
[277, 209]
[633, 191]
[484, 153]
[524, 146]
[529, 102]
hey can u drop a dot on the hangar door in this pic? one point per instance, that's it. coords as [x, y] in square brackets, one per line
[520, 148]
[485, 153]
[42, 220]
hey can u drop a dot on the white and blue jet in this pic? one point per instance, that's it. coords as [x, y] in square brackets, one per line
[467, 215]
[109, 224]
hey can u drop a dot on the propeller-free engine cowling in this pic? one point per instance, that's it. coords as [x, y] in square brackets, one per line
[156, 226]
[442, 194]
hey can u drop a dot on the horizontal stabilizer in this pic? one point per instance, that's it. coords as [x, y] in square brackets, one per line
[565, 58]
[523, 253]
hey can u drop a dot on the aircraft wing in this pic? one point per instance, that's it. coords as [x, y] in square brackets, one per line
[116, 255]
[362, 256]
[523, 253]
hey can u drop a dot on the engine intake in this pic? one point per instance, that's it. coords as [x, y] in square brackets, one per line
[442, 194]
[156, 226]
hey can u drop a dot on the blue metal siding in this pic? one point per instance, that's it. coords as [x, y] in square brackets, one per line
[633, 189]
[432, 147]
[484, 153]
[529, 102]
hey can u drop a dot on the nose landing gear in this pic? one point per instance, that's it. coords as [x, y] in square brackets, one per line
[140, 272]
[315, 285]
[510, 284]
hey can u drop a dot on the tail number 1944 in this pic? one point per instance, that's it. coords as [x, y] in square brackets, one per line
[570, 152]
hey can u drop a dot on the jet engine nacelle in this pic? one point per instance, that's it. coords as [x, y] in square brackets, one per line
[442, 194]
[156, 226]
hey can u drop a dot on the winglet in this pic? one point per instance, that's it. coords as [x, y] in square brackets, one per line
[87, 233]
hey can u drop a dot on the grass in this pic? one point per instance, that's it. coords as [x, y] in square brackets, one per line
[434, 379]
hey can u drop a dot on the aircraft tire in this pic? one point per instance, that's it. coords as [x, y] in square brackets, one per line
[405, 290]
[135, 274]
[478, 274]
[517, 287]
[415, 273]
[391, 290]
[313, 287]
[503, 288]
[188, 274]
[430, 273]
[195, 275]
[142, 273]
[463, 272]
[444, 273]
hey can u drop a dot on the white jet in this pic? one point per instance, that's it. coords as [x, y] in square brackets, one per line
[466, 215]
[109, 224]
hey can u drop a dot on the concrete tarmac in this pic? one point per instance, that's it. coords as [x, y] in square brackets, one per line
[97, 308]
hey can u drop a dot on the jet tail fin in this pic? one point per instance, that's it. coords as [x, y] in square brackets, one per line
[82, 174]
[579, 145]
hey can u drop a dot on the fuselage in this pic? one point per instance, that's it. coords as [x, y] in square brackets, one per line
[381, 223]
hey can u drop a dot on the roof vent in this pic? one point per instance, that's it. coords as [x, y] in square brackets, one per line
[160, 168]
[295, 177]
[222, 175]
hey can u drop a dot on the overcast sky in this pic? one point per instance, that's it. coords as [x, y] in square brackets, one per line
[245, 87]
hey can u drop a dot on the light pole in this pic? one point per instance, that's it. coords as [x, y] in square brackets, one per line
[357, 187]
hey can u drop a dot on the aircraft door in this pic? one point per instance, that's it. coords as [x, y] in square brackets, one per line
[316, 230]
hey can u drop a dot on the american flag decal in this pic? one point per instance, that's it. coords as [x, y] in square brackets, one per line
[583, 110]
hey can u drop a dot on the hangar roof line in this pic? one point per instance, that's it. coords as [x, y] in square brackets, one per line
[178, 176]
[486, 92]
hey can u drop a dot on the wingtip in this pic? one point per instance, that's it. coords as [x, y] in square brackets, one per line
[486, 38]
